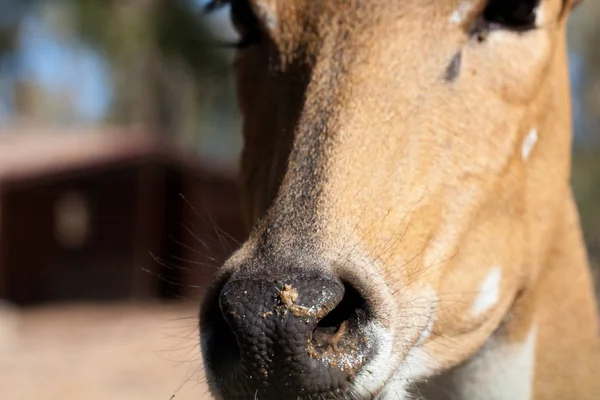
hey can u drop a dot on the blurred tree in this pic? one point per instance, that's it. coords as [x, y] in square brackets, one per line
[162, 60]
[583, 34]
[11, 14]
[166, 70]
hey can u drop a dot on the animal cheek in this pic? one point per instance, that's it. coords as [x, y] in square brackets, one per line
[469, 299]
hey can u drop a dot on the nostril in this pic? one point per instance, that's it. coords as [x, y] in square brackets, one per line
[351, 304]
[222, 348]
[341, 322]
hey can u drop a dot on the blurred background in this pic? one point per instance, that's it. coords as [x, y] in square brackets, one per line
[119, 141]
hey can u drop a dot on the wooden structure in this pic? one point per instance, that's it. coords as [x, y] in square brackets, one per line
[108, 215]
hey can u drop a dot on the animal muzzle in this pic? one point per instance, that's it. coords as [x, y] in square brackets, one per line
[300, 336]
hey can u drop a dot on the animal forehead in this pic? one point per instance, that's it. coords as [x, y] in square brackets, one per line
[355, 13]
[306, 24]
[346, 5]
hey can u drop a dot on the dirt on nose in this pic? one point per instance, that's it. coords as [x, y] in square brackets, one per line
[286, 346]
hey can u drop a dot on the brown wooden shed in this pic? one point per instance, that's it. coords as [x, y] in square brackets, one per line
[106, 215]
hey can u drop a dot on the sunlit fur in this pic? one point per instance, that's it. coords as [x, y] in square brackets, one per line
[362, 157]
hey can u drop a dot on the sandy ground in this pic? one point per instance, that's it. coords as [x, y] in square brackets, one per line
[93, 352]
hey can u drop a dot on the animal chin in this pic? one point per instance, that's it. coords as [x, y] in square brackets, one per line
[372, 381]
[397, 373]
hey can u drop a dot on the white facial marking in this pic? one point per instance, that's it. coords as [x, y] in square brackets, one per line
[395, 390]
[528, 143]
[539, 15]
[417, 366]
[488, 293]
[463, 10]
[499, 371]
[369, 379]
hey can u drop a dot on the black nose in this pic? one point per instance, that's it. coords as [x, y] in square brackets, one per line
[300, 337]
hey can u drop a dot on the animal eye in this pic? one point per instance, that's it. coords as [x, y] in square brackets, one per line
[512, 14]
[243, 19]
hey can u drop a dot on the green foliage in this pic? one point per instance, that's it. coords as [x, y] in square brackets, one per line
[165, 67]
[173, 27]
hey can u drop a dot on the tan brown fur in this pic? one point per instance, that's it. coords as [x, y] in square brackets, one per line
[356, 145]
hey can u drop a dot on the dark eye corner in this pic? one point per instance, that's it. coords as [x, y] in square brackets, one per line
[512, 15]
[243, 19]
